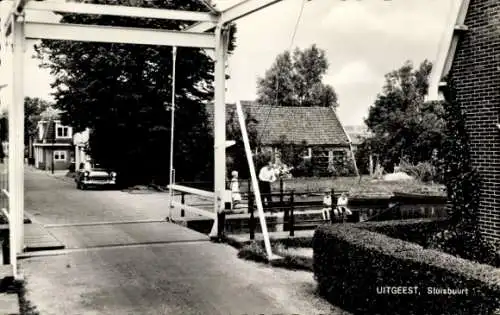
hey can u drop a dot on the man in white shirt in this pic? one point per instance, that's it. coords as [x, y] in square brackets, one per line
[267, 175]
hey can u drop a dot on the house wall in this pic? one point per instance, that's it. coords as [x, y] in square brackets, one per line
[319, 154]
[476, 73]
[43, 158]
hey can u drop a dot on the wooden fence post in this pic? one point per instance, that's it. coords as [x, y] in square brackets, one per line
[183, 201]
[281, 191]
[250, 196]
[332, 207]
[286, 213]
[251, 225]
[221, 224]
[292, 219]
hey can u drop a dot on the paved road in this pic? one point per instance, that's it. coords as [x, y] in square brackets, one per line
[145, 268]
[55, 200]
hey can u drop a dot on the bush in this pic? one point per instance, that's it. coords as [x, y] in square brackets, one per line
[423, 171]
[342, 165]
[419, 231]
[253, 251]
[351, 263]
[304, 169]
[467, 245]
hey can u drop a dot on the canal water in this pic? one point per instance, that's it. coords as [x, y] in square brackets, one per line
[400, 212]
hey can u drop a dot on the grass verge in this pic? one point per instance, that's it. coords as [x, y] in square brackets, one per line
[255, 251]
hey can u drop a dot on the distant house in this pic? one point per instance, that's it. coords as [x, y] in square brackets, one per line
[357, 134]
[317, 127]
[53, 147]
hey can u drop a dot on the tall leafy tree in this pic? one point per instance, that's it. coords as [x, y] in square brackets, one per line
[33, 108]
[403, 124]
[123, 93]
[296, 80]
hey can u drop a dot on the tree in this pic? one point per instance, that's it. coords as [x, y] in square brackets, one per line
[297, 80]
[4, 126]
[403, 124]
[123, 93]
[33, 109]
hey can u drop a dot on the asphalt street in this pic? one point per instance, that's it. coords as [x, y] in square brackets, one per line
[122, 258]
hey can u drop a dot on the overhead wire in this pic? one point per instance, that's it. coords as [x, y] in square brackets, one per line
[292, 40]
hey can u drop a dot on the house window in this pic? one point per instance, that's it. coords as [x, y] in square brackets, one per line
[330, 156]
[59, 155]
[307, 154]
[63, 131]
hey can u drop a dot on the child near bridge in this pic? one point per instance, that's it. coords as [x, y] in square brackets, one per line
[340, 211]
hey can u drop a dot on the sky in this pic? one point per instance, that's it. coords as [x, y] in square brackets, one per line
[363, 40]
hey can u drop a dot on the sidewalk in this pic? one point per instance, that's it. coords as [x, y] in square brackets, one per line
[37, 238]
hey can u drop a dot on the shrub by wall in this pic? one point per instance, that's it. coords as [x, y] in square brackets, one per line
[351, 263]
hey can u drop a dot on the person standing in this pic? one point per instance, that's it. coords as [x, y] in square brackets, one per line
[267, 175]
[235, 188]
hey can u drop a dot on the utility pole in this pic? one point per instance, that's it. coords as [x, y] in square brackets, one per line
[53, 142]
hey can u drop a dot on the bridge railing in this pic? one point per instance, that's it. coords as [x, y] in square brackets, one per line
[201, 202]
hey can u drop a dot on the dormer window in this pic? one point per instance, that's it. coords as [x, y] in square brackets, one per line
[63, 132]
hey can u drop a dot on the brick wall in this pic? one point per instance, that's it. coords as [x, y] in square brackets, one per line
[476, 70]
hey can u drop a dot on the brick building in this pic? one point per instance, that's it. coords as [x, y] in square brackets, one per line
[472, 57]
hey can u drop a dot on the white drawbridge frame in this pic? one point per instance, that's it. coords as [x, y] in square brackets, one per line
[210, 31]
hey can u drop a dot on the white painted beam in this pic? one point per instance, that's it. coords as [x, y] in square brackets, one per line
[16, 146]
[220, 121]
[446, 53]
[120, 10]
[255, 183]
[114, 34]
[190, 190]
[244, 8]
[233, 13]
[199, 211]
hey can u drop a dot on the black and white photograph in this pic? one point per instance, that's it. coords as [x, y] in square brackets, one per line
[250, 157]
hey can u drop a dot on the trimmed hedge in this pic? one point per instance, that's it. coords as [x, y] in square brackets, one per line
[419, 231]
[351, 263]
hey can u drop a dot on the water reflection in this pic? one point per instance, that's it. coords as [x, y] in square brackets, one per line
[401, 212]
